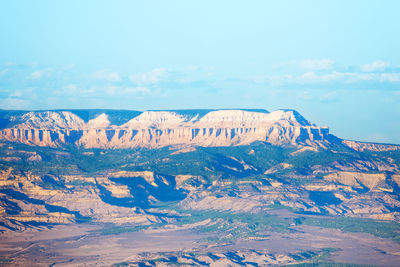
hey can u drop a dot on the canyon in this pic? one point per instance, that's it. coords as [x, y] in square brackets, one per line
[228, 186]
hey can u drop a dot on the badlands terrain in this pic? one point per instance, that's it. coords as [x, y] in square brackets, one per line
[192, 188]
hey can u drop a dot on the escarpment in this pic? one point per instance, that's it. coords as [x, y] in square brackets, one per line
[156, 129]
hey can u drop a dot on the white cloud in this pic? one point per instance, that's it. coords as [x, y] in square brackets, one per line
[390, 77]
[329, 96]
[114, 90]
[306, 64]
[36, 75]
[375, 66]
[312, 77]
[305, 95]
[136, 90]
[347, 77]
[315, 64]
[3, 72]
[114, 77]
[10, 64]
[87, 91]
[192, 68]
[14, 103]
[73, 89]
[16, 94]
[335, 76]
[107, 75]
[151, 77]
[111, 89]
[70, 87]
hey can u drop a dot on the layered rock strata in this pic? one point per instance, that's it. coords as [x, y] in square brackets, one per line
[156, 129]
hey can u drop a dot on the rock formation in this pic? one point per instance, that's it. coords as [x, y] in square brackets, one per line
[154, 129]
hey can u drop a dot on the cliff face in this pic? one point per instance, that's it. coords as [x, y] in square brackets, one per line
[156, 129]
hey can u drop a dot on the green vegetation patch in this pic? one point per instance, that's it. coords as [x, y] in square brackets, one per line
[80, 183]
[384, 229]
[323, 157]
[236, 225]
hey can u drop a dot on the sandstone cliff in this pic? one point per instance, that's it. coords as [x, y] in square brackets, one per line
[155, 129]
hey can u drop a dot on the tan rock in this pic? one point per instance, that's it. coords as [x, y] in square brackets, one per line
[357, 179]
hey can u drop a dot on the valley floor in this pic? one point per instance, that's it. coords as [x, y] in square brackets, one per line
[86, 244]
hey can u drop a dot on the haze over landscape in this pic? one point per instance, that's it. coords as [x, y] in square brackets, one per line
[212, 133]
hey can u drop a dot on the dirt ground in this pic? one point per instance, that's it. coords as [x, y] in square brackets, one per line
[78, 245]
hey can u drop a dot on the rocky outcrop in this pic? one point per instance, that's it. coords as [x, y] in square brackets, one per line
[363, 146]
[156, 129]
[358, 180]
[29, 198]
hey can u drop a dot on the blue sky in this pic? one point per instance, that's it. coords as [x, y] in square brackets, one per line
[336, 62]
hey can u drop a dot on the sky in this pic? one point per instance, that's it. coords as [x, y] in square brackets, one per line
[336, 62]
